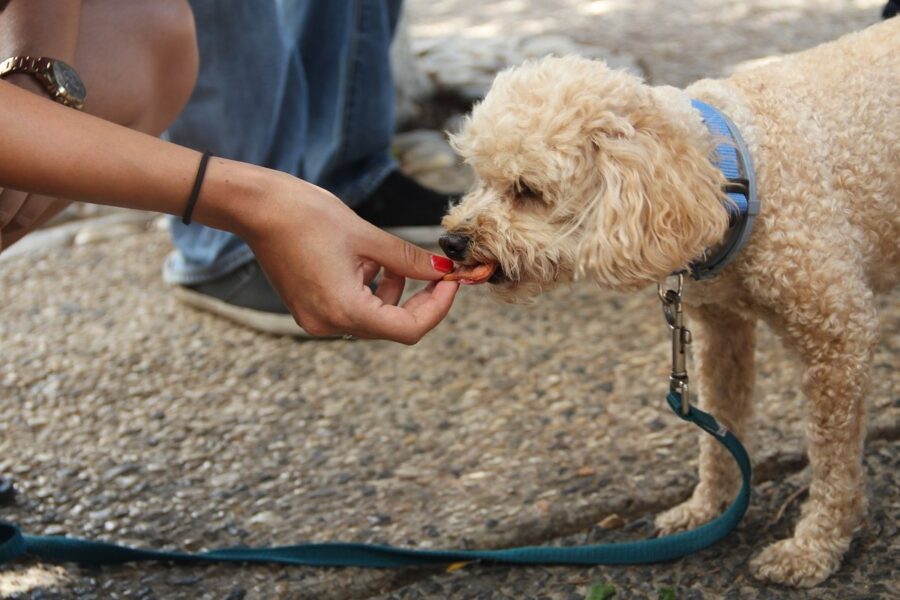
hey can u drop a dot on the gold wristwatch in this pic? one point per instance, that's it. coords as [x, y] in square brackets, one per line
[59, 79]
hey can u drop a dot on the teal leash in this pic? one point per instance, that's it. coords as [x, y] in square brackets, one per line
[14, 544]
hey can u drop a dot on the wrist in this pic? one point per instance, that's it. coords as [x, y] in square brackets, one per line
[235, 196]
[27, 82]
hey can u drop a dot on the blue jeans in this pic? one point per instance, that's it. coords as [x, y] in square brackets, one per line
[302, 86]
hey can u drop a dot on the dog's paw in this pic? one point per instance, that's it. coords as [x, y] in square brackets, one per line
[686, 515]
[791, 562]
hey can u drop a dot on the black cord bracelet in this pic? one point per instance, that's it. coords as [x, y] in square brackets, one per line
[195, 193]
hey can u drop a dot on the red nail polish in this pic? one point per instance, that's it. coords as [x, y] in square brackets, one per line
[444, 265]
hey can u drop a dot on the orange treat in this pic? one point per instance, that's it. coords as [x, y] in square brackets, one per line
[472, 273]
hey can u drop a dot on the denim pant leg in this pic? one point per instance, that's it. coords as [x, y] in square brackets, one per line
[302, 86]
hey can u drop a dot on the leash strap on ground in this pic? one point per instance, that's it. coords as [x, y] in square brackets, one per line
[13, 544]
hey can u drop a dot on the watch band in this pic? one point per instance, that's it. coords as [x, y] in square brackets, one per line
[25, 64]
[39, 67]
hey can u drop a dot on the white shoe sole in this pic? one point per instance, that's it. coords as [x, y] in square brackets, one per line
[273, 324]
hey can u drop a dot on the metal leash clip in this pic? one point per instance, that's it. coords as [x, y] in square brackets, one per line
[670, 296]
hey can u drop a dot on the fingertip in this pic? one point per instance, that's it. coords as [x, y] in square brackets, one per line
[445, 292]
[441, 290]
[451, 287]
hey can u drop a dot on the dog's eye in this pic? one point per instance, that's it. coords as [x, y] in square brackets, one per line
[523, 191]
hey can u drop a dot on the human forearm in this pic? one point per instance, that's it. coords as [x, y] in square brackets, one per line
[53, 150]
[320, 256]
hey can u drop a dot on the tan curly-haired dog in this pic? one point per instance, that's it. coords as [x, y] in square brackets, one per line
[585, 172]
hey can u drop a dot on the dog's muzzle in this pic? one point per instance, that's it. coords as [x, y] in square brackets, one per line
[456, 246]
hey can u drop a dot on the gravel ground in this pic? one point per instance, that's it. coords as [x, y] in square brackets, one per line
[129, 417]
[871, 568]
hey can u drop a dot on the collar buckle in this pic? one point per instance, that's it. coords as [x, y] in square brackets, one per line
[737, 185]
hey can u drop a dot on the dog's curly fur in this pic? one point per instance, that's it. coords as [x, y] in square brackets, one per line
[588, 172]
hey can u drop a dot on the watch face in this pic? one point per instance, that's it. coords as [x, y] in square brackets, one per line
[68, 81]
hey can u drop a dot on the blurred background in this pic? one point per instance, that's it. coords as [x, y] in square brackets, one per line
[446, 54]
[447, 51]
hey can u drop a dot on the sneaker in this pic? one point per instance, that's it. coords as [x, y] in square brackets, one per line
[246, 297]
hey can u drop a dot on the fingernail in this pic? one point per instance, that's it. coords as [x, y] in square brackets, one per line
[444, 265]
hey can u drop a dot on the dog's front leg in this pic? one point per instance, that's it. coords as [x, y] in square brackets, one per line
[836, 346]
[726, 341]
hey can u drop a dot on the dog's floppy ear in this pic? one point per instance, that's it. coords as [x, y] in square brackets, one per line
[656, 205]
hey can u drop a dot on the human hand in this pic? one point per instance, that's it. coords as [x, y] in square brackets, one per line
[320, 257]
[21, 213]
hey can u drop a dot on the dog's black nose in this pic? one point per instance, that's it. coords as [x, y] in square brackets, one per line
[454, 245]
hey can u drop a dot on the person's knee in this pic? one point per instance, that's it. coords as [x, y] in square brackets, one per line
[175, 50]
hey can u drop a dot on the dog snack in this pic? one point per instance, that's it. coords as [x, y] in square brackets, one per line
[472, 273]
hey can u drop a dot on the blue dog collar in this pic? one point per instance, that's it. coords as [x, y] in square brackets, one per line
[733, 159]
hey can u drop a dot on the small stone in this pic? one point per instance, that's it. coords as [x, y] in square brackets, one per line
[656, 424]
[379, 519]
[100, 515]
[225, 480]
[54, 530]
[612, 521]
[70, 308]
[264, 517]
[236, 593]
[161, 224]
[119, 470]
[146, 593]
